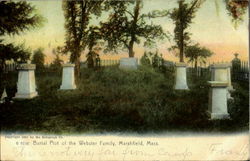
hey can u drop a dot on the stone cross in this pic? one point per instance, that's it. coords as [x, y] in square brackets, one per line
[26, 85]
[68, 77]
[181, 76]
[217, 104]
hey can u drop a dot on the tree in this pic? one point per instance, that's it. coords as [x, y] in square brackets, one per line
[196, 54]
[77, 17]
[182, 17]
[57, 62]
[38, 59]
[93, 40]
[126, 27]
[15, 17]
[236, 9]
[145, 59]
[10, 52]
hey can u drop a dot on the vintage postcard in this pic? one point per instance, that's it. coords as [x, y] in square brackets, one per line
[123, 80]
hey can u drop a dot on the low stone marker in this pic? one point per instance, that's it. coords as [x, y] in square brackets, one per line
[181, 76]
[68, 77]
[217, 105]
[26, 85]
[128, 63]
[4, 95]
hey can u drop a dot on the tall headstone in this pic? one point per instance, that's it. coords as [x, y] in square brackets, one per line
[26, 85]
[217, 104]
[128, 63]
[68, 77]
[181, 76]
[222, 72]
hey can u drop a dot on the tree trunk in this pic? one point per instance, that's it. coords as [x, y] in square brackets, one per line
[133, 29]
[77, 67]
[181, 45]
[131, 52]
[195, 63]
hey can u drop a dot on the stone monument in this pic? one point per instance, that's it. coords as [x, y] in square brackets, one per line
[26, 84]
[222, 72]
[68, 77]
[128, 63]
[217, 104]
[181, 76]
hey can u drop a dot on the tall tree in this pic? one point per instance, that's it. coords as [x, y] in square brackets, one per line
[196, 53]
[38, 59]
[15, 17]
[182, 17]
[125, 27]
[57, 62]
[77, 22]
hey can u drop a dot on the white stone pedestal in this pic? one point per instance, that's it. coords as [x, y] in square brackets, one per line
[128, 63]
[217, 105]
[68, 77]
[222, 72]
[26, 85]
[181, 76]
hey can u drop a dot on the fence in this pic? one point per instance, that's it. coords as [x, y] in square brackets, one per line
[109, 62]
[239, 72]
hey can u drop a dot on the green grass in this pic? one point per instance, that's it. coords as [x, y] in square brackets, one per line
[114, 100]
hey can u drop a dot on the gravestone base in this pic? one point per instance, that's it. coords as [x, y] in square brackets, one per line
[26, 84]
[64, 87]
[217, 116]
[25, 96]
[217, 104]
[181, 77]
[128, 63]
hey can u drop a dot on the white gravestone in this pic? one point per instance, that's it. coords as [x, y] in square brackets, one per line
[26, 84]
[217, 104]
[222, 72]
[181, 76]
[128, 63]
[68, 77]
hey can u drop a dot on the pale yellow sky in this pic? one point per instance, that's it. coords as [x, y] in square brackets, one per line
[210, 28]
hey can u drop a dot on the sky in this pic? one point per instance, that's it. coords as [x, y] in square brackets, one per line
[211, 27]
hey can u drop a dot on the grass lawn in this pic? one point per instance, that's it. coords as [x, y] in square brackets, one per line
[113, 100]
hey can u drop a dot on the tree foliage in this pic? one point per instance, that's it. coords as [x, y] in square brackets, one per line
[38, 59]
[77, 24]
[16, 17]
[236, 9]
[196, 53]
[182, 18]
[57, 62]
[127, 26]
